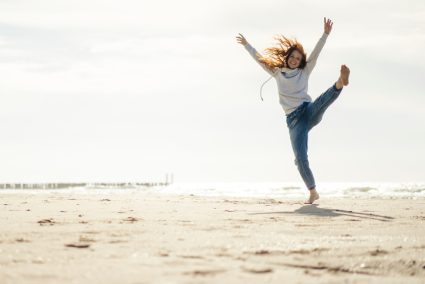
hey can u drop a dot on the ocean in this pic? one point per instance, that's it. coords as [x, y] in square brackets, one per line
[259, 190]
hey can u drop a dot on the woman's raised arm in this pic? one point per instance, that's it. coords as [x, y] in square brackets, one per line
[242, 40]
[312, 59]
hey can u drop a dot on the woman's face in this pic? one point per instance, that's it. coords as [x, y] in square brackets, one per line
[294, 59]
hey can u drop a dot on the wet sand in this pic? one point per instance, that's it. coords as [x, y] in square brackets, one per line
[129, 237]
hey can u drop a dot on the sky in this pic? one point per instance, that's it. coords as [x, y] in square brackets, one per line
[105, 90]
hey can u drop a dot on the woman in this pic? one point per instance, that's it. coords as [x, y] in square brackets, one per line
[289, 65]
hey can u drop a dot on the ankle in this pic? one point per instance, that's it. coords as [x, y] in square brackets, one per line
[339, 84]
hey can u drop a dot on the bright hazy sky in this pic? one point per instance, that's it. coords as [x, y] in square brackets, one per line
[98, 90]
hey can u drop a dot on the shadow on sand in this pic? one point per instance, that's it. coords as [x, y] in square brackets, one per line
[327, 212]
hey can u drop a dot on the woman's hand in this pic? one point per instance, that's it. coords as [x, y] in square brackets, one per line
[327, 25]
[241, 39]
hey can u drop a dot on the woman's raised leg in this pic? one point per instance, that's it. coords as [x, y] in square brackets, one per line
[316, 109]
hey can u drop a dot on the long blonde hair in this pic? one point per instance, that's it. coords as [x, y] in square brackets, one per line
[276, 56]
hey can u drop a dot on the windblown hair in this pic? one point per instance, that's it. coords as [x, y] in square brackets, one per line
[277, 55]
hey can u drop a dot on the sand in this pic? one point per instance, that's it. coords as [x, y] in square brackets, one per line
[138, 237]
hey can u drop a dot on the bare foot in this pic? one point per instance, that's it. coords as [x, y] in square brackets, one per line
[313, 197]
[343, 77]
[345, 73]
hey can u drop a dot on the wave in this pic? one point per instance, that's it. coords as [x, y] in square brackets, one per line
[262, 190]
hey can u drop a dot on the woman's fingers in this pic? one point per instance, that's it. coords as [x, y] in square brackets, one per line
[327, 21]
[327, 25]
[241, 39]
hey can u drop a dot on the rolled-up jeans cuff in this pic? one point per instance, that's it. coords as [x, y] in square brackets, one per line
[336, 89]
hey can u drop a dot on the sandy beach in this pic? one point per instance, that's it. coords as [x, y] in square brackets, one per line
[139, 237]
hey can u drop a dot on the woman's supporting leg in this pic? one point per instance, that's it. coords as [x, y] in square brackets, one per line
[299, 142]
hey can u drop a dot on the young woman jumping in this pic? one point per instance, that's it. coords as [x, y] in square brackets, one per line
[288, 64]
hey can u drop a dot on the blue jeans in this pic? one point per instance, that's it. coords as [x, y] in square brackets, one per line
[300, 122]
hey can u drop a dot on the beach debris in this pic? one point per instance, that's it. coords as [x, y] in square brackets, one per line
[105, 199]
[21, 240]
[204, 272]
[164, 253]
[258, 270]
[262, 252]
[45, 222]
[77, 245]
[131, 219]
[378, 252]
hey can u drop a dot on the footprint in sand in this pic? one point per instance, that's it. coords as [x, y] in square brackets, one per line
[266, 252]
[118, 241]
[85, 239]
[131, 219]
[77, 245]
[308, 251]
[257, 270]
[22, 240]
[204, 272]
[378, 252]
[46, 222]
[92, 232]
[164, 253]
[192, 256]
